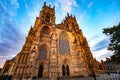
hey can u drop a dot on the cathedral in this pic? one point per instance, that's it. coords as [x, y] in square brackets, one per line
[52, 50]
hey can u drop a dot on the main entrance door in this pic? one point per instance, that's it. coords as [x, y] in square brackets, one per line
[40, 72]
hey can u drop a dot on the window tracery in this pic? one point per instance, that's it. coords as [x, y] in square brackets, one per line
[43, 52]
[63, 43]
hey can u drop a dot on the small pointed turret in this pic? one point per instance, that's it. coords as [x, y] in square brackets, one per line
[74, 17]
[44, 3]
[67, 14]
[49, 5]
[53, 7]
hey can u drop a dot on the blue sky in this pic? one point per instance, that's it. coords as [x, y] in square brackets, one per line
[17, 16]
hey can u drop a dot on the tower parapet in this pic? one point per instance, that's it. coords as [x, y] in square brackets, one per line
[47, 14]
[70, 23]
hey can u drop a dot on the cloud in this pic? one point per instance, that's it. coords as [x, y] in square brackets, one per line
[26, 5]
[95, 39]
[67, 5]
[98, 44]
[14, 3]
[90, 4]
[62, 7]
[9, 7]
[82, 15]
[2, 7]
[101, 44]
[102, 54]
[34, 11]
[11, 37]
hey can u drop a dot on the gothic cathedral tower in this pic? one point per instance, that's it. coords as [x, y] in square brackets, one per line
[53, 50]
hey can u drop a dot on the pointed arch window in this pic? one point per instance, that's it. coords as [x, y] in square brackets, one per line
[45, 31]
[43, 52]
[63, 43]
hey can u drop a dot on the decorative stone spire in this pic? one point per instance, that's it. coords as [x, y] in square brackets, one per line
[53, 7]
[44, 3]
[67, 14]
[74, 17]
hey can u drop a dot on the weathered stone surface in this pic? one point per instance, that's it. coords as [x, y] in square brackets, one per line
[53, 50]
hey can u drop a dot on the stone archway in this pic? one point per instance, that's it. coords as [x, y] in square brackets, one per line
[40, 71]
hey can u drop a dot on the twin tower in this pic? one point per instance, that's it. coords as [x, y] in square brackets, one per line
[53, 50]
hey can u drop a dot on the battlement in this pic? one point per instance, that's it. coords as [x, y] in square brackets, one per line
[48, 6]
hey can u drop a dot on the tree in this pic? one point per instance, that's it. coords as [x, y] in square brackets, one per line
[114, 37]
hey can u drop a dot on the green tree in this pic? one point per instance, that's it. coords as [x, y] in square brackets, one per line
[114, 37]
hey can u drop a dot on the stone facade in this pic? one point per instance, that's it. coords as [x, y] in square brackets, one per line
[7, 69]
[99, 67]
[53, 50]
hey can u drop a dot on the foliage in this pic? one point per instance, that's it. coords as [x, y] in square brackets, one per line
[114, 45]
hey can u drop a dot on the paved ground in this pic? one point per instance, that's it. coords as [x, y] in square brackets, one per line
[109, 77]
[99, 77]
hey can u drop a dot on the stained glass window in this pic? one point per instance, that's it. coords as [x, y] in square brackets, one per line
[63, 43]
[43, 52]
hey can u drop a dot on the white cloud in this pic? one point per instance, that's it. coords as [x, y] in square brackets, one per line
[9, 7]
[62, 7]
[94, 40]
[102, 54]
[90, 4]
[66, 5]
[82, 15]
[15, 3]
[26, 6]
[33, 13]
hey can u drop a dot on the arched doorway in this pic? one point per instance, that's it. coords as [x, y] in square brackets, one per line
[40, 72]
[63, 70]
[67, 70]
